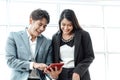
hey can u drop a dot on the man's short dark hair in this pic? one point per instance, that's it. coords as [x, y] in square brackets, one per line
[39, 14]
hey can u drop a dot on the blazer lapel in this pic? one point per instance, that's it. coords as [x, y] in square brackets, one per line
[77, 43]
[57, 48]
[38, 44]
[26, 40]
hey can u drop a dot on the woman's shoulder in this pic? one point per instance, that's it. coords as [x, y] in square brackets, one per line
[82, 32]
[57, 34]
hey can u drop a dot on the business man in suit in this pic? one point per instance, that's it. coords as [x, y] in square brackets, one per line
[28, 52]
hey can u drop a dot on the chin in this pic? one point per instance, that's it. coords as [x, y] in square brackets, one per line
[66, 33]
[37, 34]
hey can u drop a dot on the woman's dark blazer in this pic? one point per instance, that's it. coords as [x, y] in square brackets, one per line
[83, 54]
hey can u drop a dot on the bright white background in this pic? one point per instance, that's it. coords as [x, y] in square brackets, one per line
[101, 18]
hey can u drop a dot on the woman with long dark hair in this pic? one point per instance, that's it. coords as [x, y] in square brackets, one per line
[72, 46]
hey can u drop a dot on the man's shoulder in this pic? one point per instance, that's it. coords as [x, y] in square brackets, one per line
[16, 33]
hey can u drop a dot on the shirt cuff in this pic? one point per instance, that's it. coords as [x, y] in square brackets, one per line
[31, 65]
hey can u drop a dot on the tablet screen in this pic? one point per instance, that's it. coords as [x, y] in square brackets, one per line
[53, 65]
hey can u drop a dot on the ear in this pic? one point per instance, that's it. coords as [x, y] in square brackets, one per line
[30, 21]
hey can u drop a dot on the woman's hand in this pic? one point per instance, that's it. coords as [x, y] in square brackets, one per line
[54, 73]
[75, 76]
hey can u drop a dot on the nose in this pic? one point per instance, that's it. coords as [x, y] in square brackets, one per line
[65, 27]
[41, 28]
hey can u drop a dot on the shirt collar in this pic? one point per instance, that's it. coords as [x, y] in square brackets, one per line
[29, 36]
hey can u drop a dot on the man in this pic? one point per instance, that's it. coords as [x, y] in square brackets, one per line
[28, 52]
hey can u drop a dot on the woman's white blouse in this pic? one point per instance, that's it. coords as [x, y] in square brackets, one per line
[67, 56]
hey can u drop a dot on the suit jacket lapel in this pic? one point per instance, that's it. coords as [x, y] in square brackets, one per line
[38, 44]
[26, 40]
[57, 48]
[77, 43]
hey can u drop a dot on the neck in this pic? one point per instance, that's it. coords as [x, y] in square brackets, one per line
[31, 36]
[67, 36]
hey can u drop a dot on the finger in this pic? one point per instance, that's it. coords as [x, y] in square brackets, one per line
[56, 68]
[51, 69]
[45, 70]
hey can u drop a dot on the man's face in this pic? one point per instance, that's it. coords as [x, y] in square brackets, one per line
[37, 26]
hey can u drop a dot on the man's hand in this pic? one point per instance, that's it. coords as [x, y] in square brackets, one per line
[40, 66]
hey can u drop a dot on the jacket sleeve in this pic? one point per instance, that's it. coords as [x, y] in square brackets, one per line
[12, 55]
[88, 53]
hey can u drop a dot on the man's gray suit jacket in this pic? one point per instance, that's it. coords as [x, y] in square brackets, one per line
[18, 53]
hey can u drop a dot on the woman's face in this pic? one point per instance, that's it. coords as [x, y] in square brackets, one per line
[37, 26]
[66, 26]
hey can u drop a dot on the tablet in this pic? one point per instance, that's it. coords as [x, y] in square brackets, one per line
[53, 65]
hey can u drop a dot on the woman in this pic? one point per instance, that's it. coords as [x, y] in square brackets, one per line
[73, 46]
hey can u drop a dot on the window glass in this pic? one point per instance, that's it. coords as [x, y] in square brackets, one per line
[3, 13]
[114, 66]
[112, 16]
[86, 14]
[4, 70]
[97, 68]
[19, 15]
[113, 39]
[97, 36]
[2, 39]
[50, 31]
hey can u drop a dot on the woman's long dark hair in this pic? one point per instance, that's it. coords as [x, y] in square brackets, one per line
[69, 15]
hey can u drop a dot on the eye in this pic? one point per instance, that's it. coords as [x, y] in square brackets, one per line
[69, 25]
[63, 24]
[40, 24]
[44, 26]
